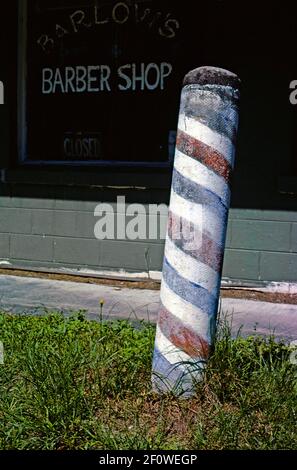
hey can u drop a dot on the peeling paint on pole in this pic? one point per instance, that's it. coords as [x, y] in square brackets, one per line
[1, 93]
[200, 198]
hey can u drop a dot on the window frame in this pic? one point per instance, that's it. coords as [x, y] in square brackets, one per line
[22, 124]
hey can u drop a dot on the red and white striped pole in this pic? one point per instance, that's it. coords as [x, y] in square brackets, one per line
[198, 212]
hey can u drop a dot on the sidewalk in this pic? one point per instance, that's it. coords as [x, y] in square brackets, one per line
[33, 295]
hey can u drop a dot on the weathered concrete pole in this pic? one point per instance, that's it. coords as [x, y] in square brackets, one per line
[198, 211]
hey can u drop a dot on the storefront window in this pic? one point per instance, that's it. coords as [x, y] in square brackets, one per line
[101, 80]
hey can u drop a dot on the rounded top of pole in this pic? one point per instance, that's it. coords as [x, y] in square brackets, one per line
[212, 76]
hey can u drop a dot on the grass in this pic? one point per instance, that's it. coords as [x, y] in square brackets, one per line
[76, 384]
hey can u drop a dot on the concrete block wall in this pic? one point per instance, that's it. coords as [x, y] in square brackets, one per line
[53, 231]
[56, 233]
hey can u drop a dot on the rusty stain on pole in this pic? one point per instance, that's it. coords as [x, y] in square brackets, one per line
[198, 212]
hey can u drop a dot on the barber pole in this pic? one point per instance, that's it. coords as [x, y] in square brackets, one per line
[198, 213]
[1, 93]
